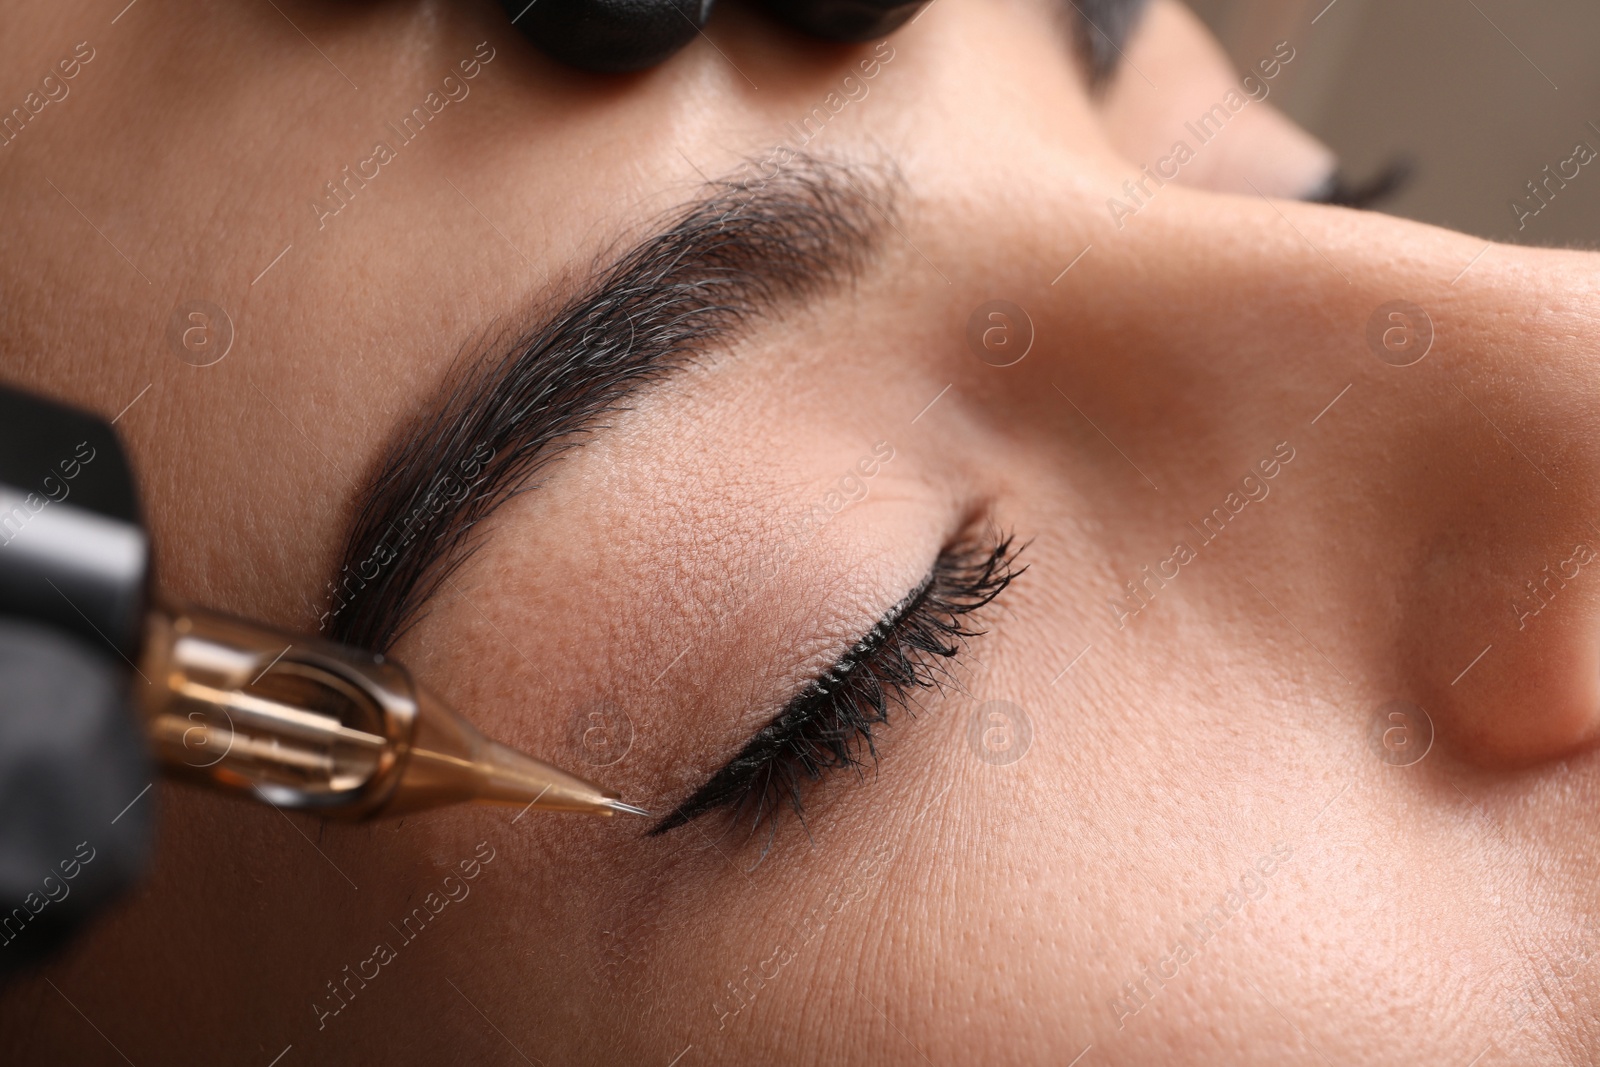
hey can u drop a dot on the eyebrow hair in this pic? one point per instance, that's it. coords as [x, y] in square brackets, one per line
[776, 231]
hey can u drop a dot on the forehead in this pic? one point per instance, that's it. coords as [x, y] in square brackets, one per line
[355, 193]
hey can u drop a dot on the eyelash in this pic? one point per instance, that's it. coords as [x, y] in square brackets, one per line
[829, 726]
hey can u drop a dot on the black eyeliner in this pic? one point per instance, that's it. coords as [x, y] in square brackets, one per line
[830, 722]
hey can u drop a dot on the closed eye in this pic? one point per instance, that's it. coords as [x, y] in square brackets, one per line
[831, 723]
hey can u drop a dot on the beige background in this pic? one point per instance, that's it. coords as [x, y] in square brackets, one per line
[1481, 94]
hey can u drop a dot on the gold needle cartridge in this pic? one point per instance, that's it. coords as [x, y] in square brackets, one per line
[305, 723]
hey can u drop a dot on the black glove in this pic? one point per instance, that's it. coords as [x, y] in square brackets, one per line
[616, 36]
[75, 820]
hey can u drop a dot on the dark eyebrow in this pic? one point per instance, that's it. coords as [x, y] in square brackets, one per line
[776, 231]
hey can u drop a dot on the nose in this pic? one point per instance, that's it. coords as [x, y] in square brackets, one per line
[1499, 603]
[1436, 537]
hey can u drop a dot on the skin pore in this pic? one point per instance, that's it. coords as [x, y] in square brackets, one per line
[1202, 768]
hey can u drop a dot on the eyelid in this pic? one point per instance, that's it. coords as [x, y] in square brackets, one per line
[827, 724]
[709, 796]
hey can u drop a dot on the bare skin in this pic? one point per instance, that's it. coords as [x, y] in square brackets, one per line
[1210, 735]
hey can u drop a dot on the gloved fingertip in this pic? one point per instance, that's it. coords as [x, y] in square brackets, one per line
[609, 36]
[852, 21]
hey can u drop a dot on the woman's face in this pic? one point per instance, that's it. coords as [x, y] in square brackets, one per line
[1273, 467]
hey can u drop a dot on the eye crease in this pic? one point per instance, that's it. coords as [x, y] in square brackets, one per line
[830, 724]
